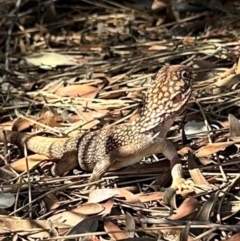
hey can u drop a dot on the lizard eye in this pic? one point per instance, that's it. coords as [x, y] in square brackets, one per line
[185, 75]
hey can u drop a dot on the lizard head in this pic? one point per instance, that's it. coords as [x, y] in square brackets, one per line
[179, 87]
[167, 95]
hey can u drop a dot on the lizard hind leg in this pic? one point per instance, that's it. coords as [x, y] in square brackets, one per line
[68, 162]
[102, 165]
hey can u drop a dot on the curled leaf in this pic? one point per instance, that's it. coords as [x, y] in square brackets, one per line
[213, 148]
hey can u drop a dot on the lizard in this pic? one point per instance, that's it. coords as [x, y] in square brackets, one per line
[118, 146]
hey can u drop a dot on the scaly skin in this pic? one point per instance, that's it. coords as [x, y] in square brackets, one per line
[114, 147]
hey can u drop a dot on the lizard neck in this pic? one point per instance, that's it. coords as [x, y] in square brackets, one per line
[147, 122]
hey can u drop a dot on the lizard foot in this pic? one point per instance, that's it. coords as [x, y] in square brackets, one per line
[88, 189]
[179, 186]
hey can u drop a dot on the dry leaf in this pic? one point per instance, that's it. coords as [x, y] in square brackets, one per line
[51, 201]
[85, 91]
[130, 224]
[99, 195]
[6, 173]
[197, 177]
[206, 210]
[148, 197]
[158, 4]
[235, 237]
[195, 172]
[157, 48]
[68, 218]
[184, 150]
[88, 225]
[205, 161]
[234, 126]
[204, 63]
[187, 210]
[107, 207]
[238, 66]
[194, 129]
[6, 125]
[89, 120]
[89, 209]
[17, 225]
[33, 160]
[6, 200]
[21, 124]
[129, 197]
[49, 60]
[111, 95]
[111, 227]
[213, 148]
[48, 118]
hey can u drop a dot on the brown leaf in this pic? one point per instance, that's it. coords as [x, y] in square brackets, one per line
[183, 151]
[187, 210]
[148, 197]
[21, 124]
[238, 66]
[234, 126]
[6, 125]
[228, 80]
[130, 197]
[159, 4]
[111, 227]
[48, 118]
[68, 218]
[130, 224]
[204, 63]
[205, 161]
[112, 95]
[197, 177]
[157, 48]
[99, 195]
[89, 209]
[107, 207]
[17, 225]
[88, 116]
[33, 160]
[195, 172]
[51, 201]
[86, 91]
[235, 237]
[90, 119]
[213, 148]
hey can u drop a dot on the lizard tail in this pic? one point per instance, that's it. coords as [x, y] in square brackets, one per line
[51, 147]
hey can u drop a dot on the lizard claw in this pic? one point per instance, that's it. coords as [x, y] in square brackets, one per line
[181, 183]
[87, 190]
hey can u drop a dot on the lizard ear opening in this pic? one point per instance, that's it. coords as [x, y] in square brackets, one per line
[177, 98]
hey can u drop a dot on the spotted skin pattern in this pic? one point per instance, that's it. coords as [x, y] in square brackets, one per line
[114, 147]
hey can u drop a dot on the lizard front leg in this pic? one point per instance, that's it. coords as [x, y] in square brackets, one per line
[170, 152]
